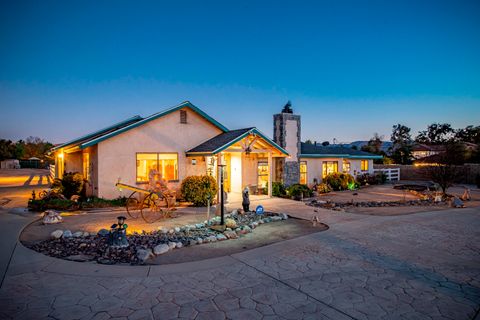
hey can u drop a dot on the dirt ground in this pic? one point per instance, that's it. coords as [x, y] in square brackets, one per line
[16, 185]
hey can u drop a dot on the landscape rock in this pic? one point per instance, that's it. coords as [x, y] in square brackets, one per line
[230, 234]
[230, 223]
[161, 249]
[457, 203]
[51, 217]
[211, 239]
[78, 234]
[179, 245]
[57, 234]
[177, 229]
[144, 254]
[199, 240]
[172, 245]
[86, 234]
[103, 232]
[67, 234]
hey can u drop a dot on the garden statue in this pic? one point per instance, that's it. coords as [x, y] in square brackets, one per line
[466, 195]
[51, 217]
[245, 200]
[118, 233]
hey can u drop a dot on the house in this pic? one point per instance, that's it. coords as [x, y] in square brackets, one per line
[177, 142]
[421, 150]
[307, 161]
[184, 141]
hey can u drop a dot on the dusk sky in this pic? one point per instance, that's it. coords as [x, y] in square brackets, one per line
[350, 68]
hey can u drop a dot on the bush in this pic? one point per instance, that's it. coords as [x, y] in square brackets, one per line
[198, 189]
[378, 178]
[323, 188]
[297, 191]
[94, 202]
[278, 189]
[71, 184]
[340, 181]
[56, 204]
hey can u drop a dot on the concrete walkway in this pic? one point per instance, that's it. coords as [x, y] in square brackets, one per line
[421, 266]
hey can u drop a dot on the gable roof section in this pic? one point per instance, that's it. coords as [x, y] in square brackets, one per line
[99, 136]
[315, 151]
[96, 134]
[224, 140]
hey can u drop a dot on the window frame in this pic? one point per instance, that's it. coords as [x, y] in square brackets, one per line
[303, 172]
[324, 172]
[262, 162]
[362, 167]
[157, 153]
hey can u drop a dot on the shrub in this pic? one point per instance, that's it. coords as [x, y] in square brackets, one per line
[297, 191]
[278, 189]
[71, 184]
[378, 178]
[323, 188]
[198, 189]
[340, 181]
[57, 204]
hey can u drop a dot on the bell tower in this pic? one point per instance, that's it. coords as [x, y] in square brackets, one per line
[287, 134]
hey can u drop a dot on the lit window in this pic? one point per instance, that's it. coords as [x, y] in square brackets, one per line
[364, 165]
[329, 167]
[165, 163]
[86, 166]
[262, 170]
[303, 172]
[346, 166]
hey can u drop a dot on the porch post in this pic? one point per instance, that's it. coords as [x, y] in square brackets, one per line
[270, 174]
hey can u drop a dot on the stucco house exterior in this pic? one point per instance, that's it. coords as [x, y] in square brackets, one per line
[183, 141]
[177, 142]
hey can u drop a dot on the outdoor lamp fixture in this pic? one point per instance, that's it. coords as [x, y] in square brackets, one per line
[60, 155]
[222, 200]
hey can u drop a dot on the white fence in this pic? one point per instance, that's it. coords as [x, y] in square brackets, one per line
[392, 174]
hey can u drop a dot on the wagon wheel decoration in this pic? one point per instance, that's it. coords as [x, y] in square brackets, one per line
[134, 205]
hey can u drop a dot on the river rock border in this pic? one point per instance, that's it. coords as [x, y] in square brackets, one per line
[340, 206]
[82, 246]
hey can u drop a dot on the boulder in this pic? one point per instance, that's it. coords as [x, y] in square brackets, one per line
[177, 229]
[230, 223]
[144, 254]
[86, 234]
[78, 234]
[51, 217]
[172, 245]
[103, 232]
[57, 234]
[221, 237]
[199, 240]
[284, 216]
[247, 229]
[161, 249]
[67, 234]
[199, 225]
[211, 239]
[231, 234]
[179, 245]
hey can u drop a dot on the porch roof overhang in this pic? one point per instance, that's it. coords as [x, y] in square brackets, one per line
[225, 140]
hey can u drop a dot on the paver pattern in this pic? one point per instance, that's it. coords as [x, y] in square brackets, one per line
[421, 266]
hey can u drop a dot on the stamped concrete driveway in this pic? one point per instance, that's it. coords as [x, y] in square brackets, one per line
[420, 266]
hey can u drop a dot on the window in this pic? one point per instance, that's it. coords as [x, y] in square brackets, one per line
[262, 170]
[329, 167]
[346, 166]
[364, 165]
[183, 116]
[165, 163]
[303, 172]
[86, 166]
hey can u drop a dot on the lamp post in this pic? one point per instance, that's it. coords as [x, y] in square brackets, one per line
[222, 211]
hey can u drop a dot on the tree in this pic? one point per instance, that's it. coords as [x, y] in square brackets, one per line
[401, 149]
[374, 146]
[325, 143]
[468, 134]
[436, 133]
[36, 147]
[447, 168]
[7, 149]
[309, 142]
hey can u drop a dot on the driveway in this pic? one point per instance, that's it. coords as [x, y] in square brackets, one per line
[419, 266]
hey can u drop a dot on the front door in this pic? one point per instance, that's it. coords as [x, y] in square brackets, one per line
[236, 172]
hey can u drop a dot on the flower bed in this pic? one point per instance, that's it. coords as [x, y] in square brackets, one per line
[82, 246]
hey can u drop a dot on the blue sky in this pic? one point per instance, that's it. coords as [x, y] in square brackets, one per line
[350, 68]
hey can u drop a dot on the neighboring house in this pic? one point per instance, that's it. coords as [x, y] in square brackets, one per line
[10, 164]
[178, 142]
[309, 162]
[420, 150]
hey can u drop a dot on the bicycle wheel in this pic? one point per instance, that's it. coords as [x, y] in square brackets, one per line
[134, 205]
[152, 208]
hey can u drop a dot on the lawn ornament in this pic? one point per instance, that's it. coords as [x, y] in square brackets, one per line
[315, 220]
[245, 200]
[466, 195]
[151, 204]
[259, 209]
[51, 217]
[118, 233]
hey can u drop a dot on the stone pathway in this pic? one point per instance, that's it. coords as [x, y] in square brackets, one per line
[421, 266]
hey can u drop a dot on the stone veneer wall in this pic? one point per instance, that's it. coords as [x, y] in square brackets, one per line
[287, 171]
